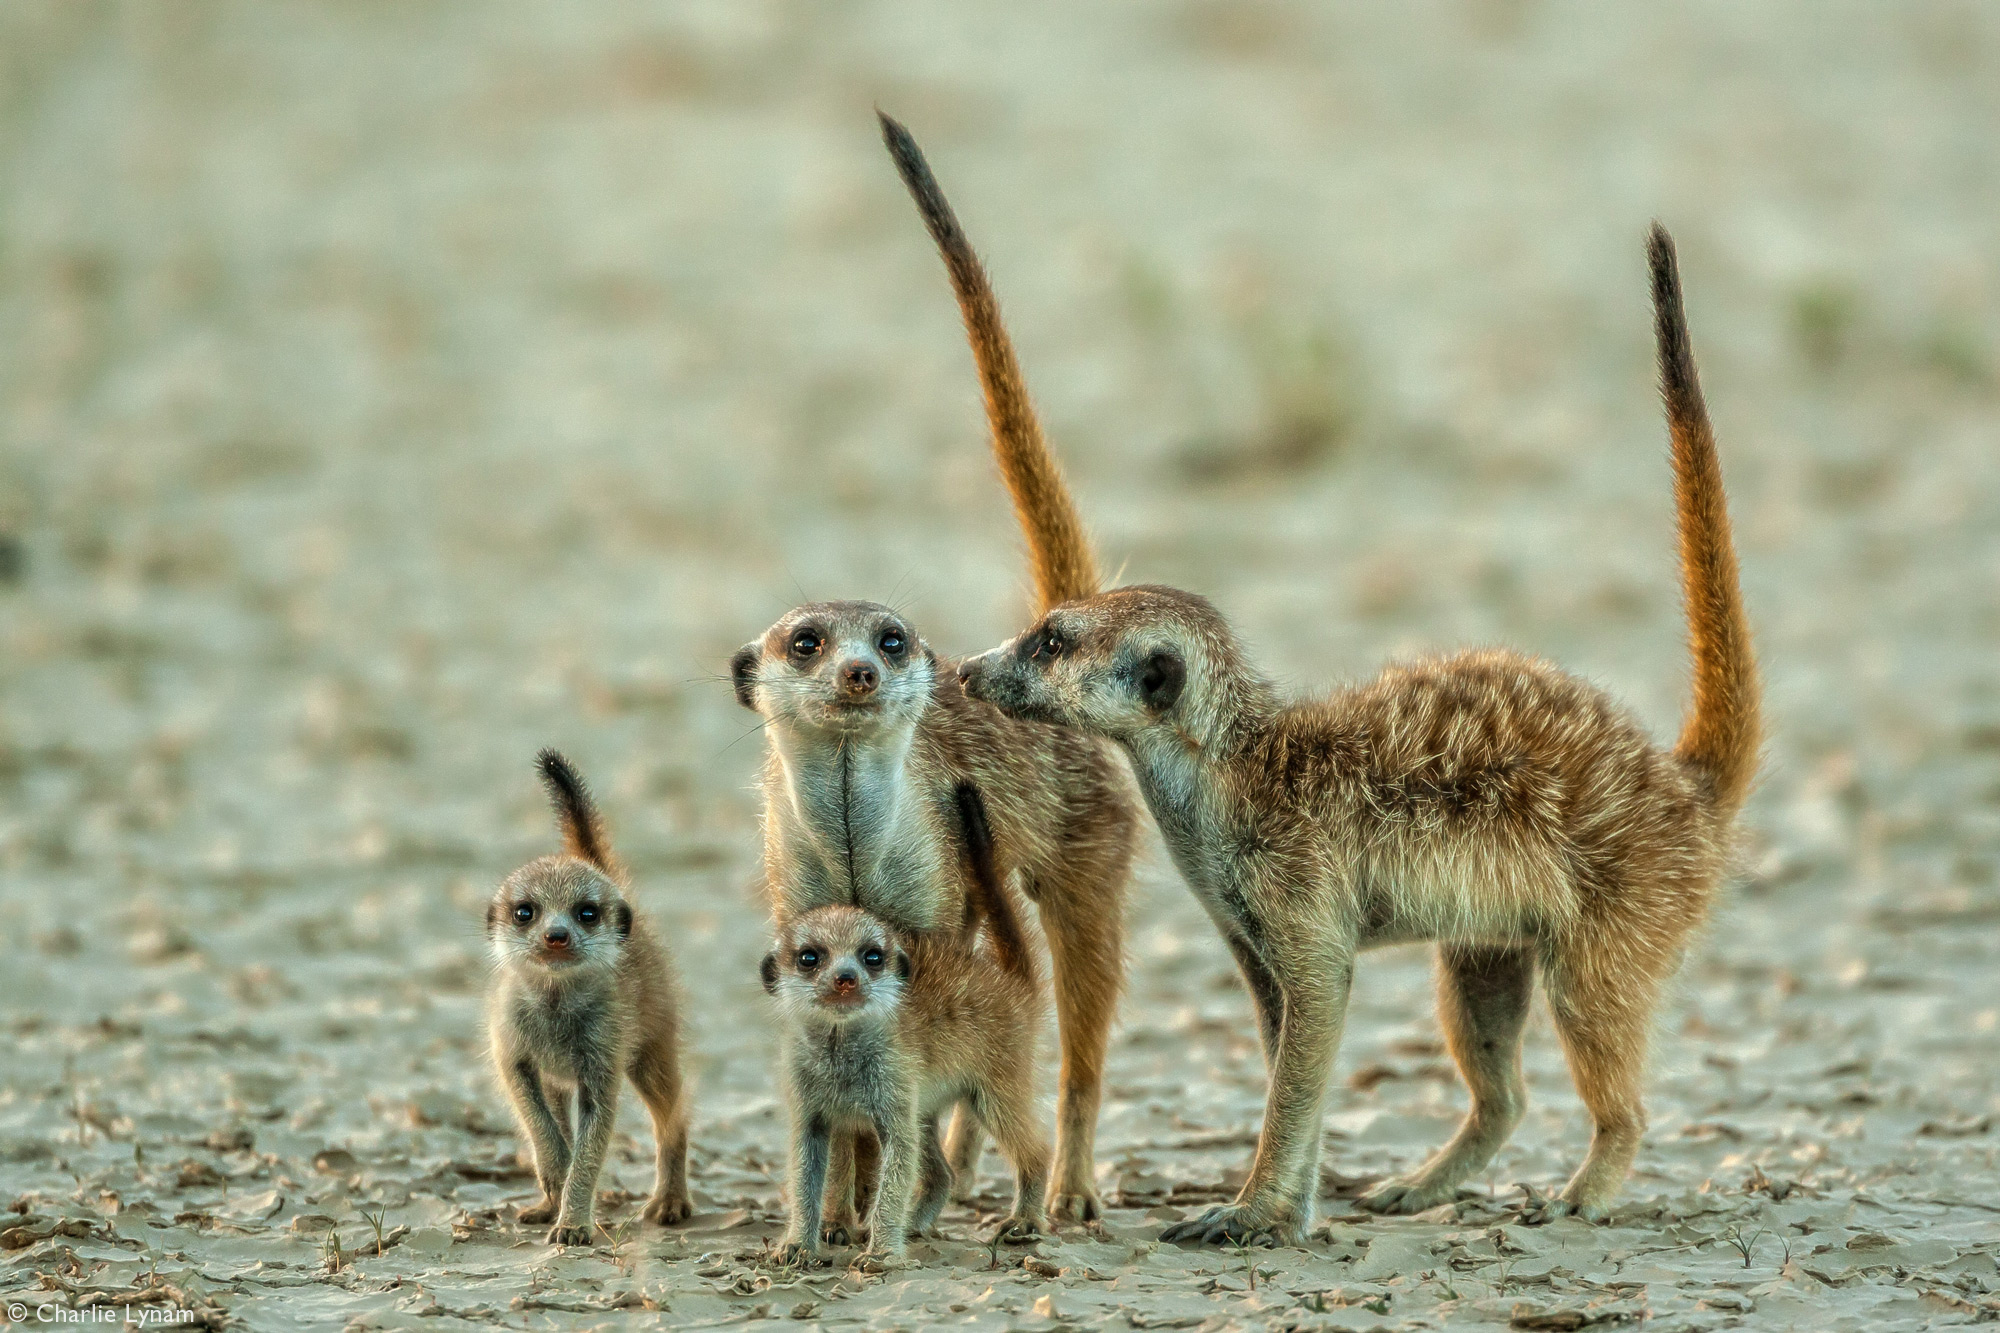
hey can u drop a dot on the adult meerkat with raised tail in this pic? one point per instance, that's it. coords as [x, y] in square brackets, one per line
[884, 1030]
[886, 789]
[584, 998]
[1488, 801]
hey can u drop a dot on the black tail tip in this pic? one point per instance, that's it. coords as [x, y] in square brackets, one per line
[558, 773]
[896, 136]
[1660, 259]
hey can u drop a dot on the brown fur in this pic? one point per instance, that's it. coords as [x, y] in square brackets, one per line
[882, 1030]
[571, 1018]
[1487, 801]
[1058, 812]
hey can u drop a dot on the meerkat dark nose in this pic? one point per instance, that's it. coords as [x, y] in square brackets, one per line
[964, 671]
[858, 677]
[557, 938]
[846, 981]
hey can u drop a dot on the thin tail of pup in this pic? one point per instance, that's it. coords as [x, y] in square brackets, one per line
[1722, 733]
[989, 896]
[1065, 568]
[584, 836]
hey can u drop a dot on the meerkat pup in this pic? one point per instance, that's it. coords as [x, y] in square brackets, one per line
[886, 789]
[584, 998]
[885, 1030]
[1512, 813]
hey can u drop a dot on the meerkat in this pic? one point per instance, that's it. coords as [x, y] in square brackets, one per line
[885, 1030]
[584, 998]
[1508, 811]
[886, 789]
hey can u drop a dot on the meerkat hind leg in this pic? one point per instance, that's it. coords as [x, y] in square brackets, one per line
[1483, 999]
[964, 1144]
[1603, 1019]
[1085, 927]
[933, 1181]
[657, 1077]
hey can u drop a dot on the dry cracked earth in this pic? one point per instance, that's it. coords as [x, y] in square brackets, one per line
[387, 391]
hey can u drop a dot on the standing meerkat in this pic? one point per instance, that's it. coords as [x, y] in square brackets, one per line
[885, 1030]
[885, 788]
[1511, 812]
[585, 998]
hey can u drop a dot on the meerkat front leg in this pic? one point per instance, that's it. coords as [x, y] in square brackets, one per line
[1276, 1202]
[902, 1154]
[545, 1135]
[811, 1143]
[596, 1111]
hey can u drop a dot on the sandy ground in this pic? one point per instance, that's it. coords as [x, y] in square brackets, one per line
[387, 391]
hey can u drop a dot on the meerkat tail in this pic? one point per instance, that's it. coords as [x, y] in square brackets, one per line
[1064, 566]
[1003, 928]
[1722, 733]
[582, 827]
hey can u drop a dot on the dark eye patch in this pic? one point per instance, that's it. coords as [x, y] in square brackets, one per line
[808, 959]
[587, 914]
[524, 913]
[806, 642]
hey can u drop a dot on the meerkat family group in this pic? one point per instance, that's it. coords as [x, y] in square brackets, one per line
[914, 807]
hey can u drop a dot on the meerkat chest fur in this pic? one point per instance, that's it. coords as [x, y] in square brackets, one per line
[854, 824]
[851, 1071]
[567, 1030]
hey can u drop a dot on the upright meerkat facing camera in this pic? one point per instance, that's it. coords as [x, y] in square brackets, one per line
[584, 998]
[1488, 801]
[886, 789]
[884, 1030]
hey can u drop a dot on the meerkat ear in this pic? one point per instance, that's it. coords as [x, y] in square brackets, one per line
[768, 969]
[623, 916]
[492, 916]
[902, 965]
[743, 674]
[1161, 679]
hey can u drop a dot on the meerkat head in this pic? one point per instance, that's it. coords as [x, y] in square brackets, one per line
[558, 917]
[846, 667]
[1114, 664]
[836, 965]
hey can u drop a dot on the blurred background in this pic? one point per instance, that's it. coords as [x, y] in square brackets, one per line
[389, 390]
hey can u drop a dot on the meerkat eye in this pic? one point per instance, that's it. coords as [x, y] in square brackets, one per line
[872, 956]
[587, 914]
[806, 642]
[808, 959]
[892, 642]
[1048, 645]
[524, 913]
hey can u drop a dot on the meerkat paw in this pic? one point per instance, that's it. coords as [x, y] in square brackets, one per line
[545, 1211]
[881, 1261]
[1232, 1224]
[1076, 1207]
[799, 1254]
[843, 1233]
[1018, 1229]
[1540, 1212]
[1399, 1195]
[667, 1209]
[569, 1233]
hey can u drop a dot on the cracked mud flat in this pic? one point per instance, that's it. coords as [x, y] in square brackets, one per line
[387, 392]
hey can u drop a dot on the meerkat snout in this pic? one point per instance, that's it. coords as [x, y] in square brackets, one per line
[858, 678]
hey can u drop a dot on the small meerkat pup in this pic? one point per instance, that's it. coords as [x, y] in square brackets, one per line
[1488, 801]
[886, 789]
[885, 1030]
[584, 998]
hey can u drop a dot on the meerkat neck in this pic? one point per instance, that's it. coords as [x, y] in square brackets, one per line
[848, 803]
[1181, 769]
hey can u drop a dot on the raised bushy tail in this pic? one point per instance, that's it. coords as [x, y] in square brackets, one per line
[989, 896]
[1064, 567]
[583, 830]
[1723, 732]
